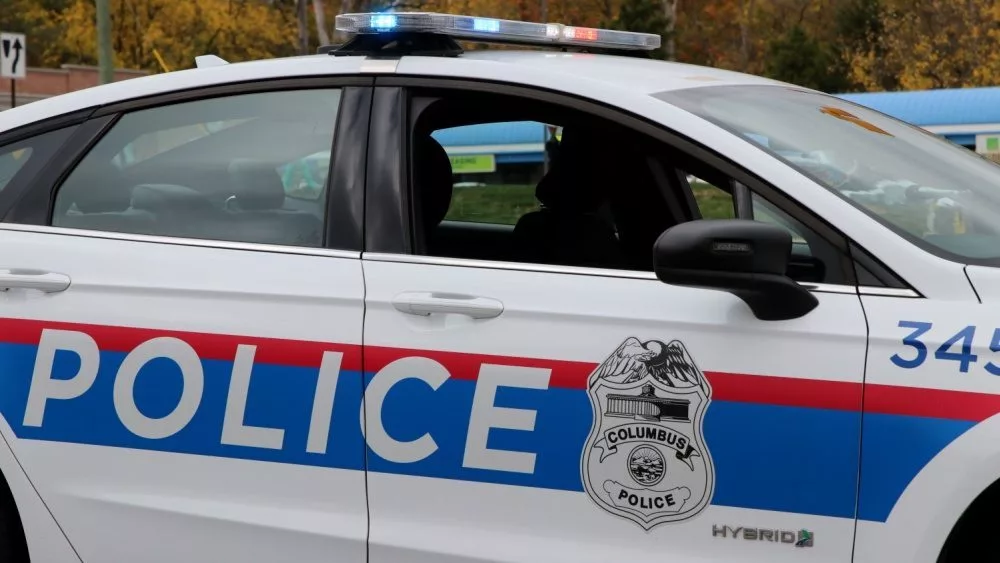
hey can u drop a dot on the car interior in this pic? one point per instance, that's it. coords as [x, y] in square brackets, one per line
[606, 196]
[220, 186]
[608, 193]
[603, 201]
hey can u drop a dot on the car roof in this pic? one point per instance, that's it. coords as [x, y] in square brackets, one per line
[629, 76]
[637, 75]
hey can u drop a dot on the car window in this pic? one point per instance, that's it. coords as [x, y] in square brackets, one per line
[11, 161]
[716, 202]
[29, 155]
[713, 201]
[494, 180]
[305, 178]
[942, 197]
[153, 143]
[246, 168]
[565, 188]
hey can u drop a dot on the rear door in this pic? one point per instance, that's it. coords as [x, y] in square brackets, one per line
[182, 312]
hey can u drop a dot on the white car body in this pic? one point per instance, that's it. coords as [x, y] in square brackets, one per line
[215, 476]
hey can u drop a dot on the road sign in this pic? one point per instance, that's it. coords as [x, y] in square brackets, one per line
[13, 55]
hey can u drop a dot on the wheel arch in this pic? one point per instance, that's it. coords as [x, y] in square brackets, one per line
[43, 539]
[961, 546]
[938, 503]
[13, 539]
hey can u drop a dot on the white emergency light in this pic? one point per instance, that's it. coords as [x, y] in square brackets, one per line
[495, 30]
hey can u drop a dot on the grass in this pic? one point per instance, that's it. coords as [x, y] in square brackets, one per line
[504, 204]
[498, 204]
[713, 202]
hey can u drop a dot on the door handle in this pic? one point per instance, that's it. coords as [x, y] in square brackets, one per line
[47, 282]
[429, 303]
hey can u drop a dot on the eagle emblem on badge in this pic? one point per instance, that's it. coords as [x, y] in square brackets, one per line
[645, 458]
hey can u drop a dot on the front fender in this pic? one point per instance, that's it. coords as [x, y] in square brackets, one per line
[934, 500]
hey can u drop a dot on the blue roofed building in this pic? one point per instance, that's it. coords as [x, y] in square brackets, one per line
[967, 116]
[510, 152]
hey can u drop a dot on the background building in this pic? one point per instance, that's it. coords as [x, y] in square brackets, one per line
[46, 82]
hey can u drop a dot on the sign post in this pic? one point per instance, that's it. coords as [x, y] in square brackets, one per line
[13, 60]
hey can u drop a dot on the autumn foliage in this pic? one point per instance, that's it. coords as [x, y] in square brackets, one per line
[833, 45]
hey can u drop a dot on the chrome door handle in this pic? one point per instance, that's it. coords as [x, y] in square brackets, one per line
[47, 282]
[429, 303]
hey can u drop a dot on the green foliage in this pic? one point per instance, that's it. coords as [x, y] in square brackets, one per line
[830, 45]
[801, 59]
[644, 16]
[859, 26]
[712, 202]
[497, 204]
[504, 204]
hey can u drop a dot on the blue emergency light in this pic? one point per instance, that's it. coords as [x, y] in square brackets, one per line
[493, 30]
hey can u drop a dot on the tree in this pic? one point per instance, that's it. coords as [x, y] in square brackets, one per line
[859, 27]
[645, 16]
[798, 58]
[319, 13]
[233, 29]
[32, 18]
[932, 44]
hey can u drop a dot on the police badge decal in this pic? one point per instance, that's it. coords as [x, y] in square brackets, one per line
[645, 458]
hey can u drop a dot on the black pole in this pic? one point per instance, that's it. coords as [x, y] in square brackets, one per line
[13, 93]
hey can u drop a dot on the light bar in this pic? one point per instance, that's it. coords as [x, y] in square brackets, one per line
[493, 30]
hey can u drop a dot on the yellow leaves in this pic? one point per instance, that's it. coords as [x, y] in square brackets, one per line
[178, 30]
[918, 43]
[934, 44]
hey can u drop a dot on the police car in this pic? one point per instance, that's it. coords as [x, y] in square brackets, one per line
[203, 358]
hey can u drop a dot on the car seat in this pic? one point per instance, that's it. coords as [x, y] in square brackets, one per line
[256, 209]
[433, 185]
[570, 229]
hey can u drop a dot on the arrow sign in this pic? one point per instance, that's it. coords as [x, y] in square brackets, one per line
[13, 55]
[17, 56]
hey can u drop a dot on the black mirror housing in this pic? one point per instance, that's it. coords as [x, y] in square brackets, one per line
[746, 258]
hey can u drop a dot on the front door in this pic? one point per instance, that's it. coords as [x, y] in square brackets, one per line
[176, 336]
[541, 394]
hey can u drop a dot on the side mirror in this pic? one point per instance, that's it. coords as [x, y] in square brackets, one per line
[746, 258]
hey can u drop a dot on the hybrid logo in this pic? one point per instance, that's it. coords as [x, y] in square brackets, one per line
[802, 538]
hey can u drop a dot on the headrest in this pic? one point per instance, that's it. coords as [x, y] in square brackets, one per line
[256, 185]
[578, 175]
[432, 178]
[169, 197]
[96, 192]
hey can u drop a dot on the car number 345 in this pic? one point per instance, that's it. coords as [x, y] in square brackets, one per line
[957, 348]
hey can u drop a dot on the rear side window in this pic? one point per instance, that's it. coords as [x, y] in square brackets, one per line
[245, 168]
[16, 156]
[11, 161]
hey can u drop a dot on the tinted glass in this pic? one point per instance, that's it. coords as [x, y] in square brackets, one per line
[11, 161]
[494, 177]
[940, 196]
[248, 168]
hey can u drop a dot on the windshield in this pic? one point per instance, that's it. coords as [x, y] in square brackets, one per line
[939, 195]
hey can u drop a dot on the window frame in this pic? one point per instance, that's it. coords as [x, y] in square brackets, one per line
[346, 175]
[388, 195]
[70, 124]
